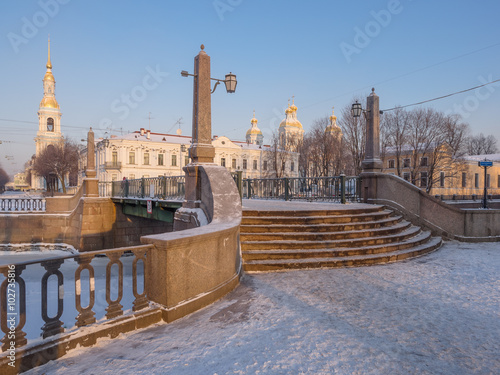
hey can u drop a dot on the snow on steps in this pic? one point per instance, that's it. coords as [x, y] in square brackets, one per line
[280, 240]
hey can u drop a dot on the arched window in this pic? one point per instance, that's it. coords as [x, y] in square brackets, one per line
[50, 124]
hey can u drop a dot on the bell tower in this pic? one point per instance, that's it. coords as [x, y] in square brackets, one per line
[49, 113]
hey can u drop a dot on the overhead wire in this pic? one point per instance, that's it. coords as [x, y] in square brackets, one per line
[442, 97]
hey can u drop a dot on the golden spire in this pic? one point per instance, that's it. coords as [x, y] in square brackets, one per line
[49, 64]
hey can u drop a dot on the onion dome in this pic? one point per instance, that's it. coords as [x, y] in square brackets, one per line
[291, 117]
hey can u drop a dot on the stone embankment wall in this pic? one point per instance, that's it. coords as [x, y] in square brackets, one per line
[424, 210]
[85, 223]
[192, 268]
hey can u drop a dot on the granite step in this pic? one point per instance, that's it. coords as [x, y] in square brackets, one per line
[408, 232]
[297, 218]
[347, 261]
[279, 228]
[322, 236]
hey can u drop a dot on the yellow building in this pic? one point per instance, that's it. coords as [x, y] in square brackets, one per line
[439, 173]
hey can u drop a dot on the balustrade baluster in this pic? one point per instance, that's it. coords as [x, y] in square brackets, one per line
[6, 312]
[53, 325]
[114, 308]
[141, 300]
[86, 315]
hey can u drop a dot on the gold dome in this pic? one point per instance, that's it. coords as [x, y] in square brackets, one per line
[48, 76]
[49, 102]
[254, 131]
[254, 121]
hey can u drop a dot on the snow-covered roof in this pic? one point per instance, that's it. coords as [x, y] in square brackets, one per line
[492, 157]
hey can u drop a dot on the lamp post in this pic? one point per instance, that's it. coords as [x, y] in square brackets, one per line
[371, 162]
[201, 150]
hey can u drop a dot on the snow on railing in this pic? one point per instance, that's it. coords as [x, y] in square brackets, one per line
[20, 292]
[22, 204]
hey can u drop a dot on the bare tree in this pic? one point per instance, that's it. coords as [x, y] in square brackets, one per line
[4, 178]
[395, 127]
[277, 157]
[58, 161]
[481, 145]
[354, 130]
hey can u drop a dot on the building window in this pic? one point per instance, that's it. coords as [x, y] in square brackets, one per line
[283, 166]
[441, 179]
[114, 177]
[233, 163]
[114, 158]
[476, 180]
[391, 164]
[464, 179]
[146, 158]
[160, 159]
[244, 163]
[174, 160]
[292, 166]
[131, 157]
[423, 179]
[423, 162]
[146, 176]
[50, 124]
[131, 176]
[406, 163]
[186, 160]
[264, 167]
[406, 176]
[255, 164]
[488, 180]
[222, 162]
[498, 182]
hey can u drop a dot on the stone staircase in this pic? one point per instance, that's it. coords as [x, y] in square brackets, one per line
[281, 240]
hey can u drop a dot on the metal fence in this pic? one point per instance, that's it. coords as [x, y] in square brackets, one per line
[98, 293]
[336, 189]
[164, 187]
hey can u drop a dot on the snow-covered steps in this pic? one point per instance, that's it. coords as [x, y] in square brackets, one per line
[279, 240]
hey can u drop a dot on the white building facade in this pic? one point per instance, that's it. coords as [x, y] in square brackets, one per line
[146, 154]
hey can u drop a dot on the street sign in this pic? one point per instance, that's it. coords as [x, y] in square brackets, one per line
[485, 163]
[150, 207]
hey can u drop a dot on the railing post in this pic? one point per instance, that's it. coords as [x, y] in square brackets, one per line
[85, 315]
[164, 186]
[5, 308]
[53, 325]
[249, 188]
[239, 183]
[143, 187]
[342, 188]
[287, 189]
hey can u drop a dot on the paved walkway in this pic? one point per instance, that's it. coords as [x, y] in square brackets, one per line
[276, 205]
[438, 314]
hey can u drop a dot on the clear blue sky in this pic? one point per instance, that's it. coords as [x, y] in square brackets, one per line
[411, 51]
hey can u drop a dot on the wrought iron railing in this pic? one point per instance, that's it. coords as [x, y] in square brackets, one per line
[21, 300]
[164, 187]
[22, 204]
[105, 189]
[337, 189]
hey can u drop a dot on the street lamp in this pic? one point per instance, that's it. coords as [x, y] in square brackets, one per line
[230, 81]
[356, 109]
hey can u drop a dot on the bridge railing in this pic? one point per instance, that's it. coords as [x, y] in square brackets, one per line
[22, 204]
[117, 279]
[164, 187]
[337, 189]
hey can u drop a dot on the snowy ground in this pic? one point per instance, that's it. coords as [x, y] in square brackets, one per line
[438, 314]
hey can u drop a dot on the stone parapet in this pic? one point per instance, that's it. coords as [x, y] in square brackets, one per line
[192, 268]
[424, 210]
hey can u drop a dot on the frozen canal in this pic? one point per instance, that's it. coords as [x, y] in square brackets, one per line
[438, 314]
